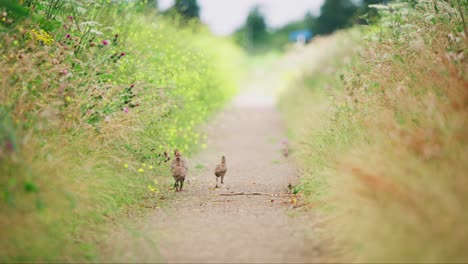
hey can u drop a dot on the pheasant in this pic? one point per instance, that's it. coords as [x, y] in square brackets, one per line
[179, 173]
[184, 161]
[285, 148]
[220, 170]
[179, 170]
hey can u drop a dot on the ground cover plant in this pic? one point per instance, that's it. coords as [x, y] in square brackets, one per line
[383, 145]
[92, 94]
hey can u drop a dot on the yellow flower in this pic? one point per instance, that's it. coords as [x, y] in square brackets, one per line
[151, 188]
[141, 170]
[143, 164]
[150, 167]
[41, 35]
[125, 165]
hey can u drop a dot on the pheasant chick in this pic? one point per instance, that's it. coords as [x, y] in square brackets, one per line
[220, 170]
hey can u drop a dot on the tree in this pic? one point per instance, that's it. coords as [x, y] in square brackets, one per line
[334, 14]
[187, 8]
[255, 26]
[310, 21]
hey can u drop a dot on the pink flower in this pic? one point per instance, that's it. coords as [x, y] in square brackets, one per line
[70, 18]
[126, 109]
[9, 146]
[68, 36]
[122, 54]
[105, 42]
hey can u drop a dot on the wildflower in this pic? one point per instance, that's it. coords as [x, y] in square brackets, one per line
[70, 18]
[105, 42]
[126, 109]
[68, 98]
[150, 167]
[140, 170]
[68, 36]
[151, 188]
[42, 36]
[126, 165]
[143, 165]
[122, 54]
[10, 147]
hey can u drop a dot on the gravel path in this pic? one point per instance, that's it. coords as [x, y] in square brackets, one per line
[202, 226]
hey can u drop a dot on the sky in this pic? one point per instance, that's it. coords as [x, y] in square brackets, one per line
[225, 16]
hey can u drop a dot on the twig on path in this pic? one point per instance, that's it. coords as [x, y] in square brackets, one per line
[252, 193]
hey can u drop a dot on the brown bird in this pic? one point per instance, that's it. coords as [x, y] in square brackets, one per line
[182, 159]
[220, 170]
[285, 149]
[179, 170]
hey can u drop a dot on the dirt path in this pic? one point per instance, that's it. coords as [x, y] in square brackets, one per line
[202, 226]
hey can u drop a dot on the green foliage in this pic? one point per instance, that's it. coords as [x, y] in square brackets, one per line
[189, 9]
[253, 35]
[255, 26]
[384, 138]
[92, 94]
[334, 14]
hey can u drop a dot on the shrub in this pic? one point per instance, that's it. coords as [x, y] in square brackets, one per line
[92, 94]
[390, 156]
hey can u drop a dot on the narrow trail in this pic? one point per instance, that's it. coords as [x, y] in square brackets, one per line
[202, 226]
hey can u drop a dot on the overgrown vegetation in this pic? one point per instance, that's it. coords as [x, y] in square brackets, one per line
[92, 94]
[381, 136]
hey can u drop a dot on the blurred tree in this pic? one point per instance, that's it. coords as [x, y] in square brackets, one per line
[310, 21]
[255, 27]
[335, 14]
[187, 8]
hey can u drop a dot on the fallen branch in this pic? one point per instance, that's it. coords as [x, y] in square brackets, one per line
[253, 193]
[243, 193]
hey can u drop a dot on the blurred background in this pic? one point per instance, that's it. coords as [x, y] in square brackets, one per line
[266, 25]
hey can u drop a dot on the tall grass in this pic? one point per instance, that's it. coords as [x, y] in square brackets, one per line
[91, 95]
[387, 152]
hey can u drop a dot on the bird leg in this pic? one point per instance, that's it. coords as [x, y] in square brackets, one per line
[176, 185]
[216, 181]
[222, 179]
[181, 184]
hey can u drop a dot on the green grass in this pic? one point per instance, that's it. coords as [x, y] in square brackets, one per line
[91, 95]
[383, 145]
